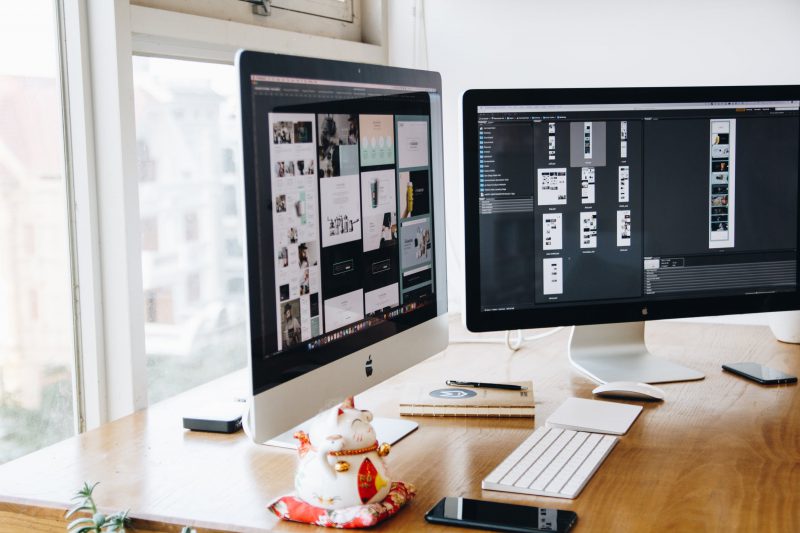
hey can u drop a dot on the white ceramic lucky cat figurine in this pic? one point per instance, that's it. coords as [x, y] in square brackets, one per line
[341, 463]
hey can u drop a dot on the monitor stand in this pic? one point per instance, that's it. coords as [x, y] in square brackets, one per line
[389, 430]
[617, 352]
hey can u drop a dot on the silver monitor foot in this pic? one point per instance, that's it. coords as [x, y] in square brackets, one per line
[617, 352]
[388, 430]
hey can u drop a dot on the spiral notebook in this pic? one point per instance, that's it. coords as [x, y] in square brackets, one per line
[437, 399]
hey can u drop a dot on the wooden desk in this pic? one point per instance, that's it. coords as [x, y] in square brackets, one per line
[721, 454]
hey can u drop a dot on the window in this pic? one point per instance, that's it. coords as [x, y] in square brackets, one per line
[228, 161]
[193, 288]
[30, 239]
[149, 234]
[36, 322]
[233, 248]
[191, 227]
[230, 207]
[33, 299]
[236, 286]
[187, 118]
[146, 165]
[158, 306]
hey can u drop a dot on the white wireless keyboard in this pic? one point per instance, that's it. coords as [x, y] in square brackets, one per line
[551, 462]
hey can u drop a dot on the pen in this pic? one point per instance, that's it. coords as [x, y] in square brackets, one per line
[504, 386]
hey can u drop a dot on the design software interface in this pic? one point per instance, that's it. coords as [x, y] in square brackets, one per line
[348, 225]
[614, 202]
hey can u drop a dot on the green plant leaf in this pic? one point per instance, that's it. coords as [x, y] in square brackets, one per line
[117, 522]
[98, 522]
[86, 491]
[84, 498]
[85, 520]
[77, 508]
[115, 528]
[83, 529]
[187, 529]
[81, 526]
[120, 517]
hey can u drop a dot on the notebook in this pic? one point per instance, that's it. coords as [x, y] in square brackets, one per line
[594, 416]
[437, 399]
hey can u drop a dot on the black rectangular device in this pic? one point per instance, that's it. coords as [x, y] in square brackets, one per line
[760, 373]
[588, 206]
[219, 417]
[496, 516]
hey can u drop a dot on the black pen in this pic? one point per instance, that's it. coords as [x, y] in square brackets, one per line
[504, 386]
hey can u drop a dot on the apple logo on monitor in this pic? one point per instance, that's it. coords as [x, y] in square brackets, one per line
[368, 366]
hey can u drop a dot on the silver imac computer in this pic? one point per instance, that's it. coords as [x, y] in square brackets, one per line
[605, 208]
[344, 219]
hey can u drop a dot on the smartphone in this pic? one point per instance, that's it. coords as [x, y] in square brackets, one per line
[495, 516]
[760, 373]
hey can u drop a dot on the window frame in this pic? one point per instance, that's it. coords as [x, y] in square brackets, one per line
[170, 34]
[333, 9]
[105, 224]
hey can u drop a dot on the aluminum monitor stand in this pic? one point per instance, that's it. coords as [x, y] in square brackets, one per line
[617, 352]
[388, 430]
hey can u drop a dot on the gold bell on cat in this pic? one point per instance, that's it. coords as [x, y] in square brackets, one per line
[342, 466]
[384, 449]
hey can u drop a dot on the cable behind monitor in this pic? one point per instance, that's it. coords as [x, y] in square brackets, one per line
[512, 344]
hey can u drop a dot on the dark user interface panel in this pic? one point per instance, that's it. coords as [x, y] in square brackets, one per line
[620, 202]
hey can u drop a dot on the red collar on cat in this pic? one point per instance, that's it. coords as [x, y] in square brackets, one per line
[357, 451]
[305, 446]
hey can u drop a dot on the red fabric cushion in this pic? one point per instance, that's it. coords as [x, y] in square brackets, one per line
[292, 508]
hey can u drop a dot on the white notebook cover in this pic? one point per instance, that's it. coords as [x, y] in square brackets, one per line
[594, 416]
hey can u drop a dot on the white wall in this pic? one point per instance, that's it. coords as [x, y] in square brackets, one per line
[586, 43]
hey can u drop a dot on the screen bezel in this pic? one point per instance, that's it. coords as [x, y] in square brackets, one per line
[603, 313]
[257, 63]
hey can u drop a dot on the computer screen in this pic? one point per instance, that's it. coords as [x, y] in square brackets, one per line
[341, 163]
[597, 205]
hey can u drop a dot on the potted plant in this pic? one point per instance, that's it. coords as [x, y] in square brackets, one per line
[93, 521]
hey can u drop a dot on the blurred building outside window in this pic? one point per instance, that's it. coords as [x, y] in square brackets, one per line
[187, 130]
[36, 321]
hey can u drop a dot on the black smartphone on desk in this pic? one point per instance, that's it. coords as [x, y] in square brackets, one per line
[496, 516]
[760, 373]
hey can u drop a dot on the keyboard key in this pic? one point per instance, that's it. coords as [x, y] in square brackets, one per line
[575, 459]
[541, 462]
[525, 463]
[516, 455]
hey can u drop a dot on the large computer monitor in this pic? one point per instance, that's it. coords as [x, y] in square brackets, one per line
[344, 217]
[618, 206]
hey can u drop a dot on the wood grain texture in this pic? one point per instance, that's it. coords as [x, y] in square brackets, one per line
[722, 454]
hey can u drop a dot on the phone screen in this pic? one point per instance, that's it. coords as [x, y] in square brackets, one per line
[760, 372]
[501, 516]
